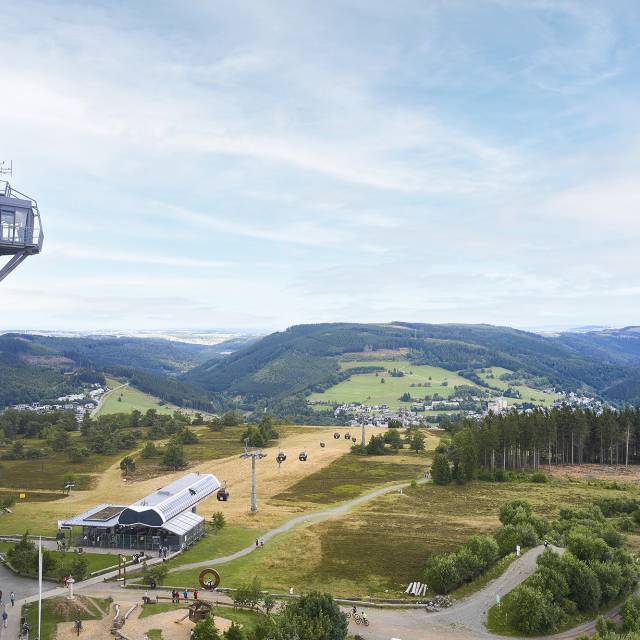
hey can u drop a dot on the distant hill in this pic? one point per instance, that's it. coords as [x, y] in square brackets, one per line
[303, 358]
[33, 367]
[279, 370]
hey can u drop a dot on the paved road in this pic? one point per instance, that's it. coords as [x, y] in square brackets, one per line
[465, 619]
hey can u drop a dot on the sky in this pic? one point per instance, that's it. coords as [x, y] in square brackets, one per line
[204, 164]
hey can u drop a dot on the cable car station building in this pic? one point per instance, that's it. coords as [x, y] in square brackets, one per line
[165, 518]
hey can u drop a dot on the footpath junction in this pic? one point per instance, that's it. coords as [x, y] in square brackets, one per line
[165, 519]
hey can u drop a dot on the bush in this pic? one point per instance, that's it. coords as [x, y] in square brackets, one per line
[587, 546]
[314, 616]
[539, 477]
[468, 565]
[584, 587]
[206, 630]
[514, 511]
[442, 573]
[613, 506]
[509, 536]
[485, 548]
[626, 524]
[149, 451]
[528, 610]
[155, 574]
[630, 612]
[609, 576]
[550, 580]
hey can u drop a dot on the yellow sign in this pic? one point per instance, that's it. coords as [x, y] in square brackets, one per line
[23, 496]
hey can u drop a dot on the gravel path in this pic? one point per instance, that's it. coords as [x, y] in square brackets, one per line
[298, 520]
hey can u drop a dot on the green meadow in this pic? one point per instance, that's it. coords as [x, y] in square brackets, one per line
[368, 388]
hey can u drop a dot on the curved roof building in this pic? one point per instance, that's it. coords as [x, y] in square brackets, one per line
[165, 517]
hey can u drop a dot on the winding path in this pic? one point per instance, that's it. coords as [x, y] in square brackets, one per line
[463, 621]
[315, 516]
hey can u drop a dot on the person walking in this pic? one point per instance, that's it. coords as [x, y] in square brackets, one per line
[185, 593]
[12, 596]
[78, 626]
[5, 618]
[195, 594]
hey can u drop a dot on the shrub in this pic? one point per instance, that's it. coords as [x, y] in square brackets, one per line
[155, 574]
[468, 564]
[442, 573]
[485, 548]
[509, 536]
[630, 612]
[626, 524]
[588, 547]
[584, 587]
[550, 580]
[609, 576]
[613, 506]
[530, 611]
[514, 510]
[206, 630]
[149, 451]
[539, 477]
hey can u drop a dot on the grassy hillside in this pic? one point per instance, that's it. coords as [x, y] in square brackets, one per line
[311, 359]
[38, 368]
[124, 398]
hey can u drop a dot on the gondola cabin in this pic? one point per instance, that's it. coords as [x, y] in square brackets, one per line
[336, 435]
[20, 228]
[322, 445]
[223, 494]
[281, 457]
[303, 456]
[347, 436]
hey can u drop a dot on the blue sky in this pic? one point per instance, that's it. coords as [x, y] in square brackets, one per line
[261, 164]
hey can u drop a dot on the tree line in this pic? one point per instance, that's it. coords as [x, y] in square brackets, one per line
[519, 441]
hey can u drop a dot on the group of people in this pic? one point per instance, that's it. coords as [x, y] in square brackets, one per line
[260, 543]
[163, 552]
[175, 595]
[138, 557]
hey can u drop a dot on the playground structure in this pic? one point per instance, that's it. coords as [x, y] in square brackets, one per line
[199, 610]
[212, 583]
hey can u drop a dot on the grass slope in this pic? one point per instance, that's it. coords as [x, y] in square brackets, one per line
[381, 547]
[367, 388]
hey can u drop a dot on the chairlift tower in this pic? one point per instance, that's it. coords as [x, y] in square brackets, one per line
[255, 454]
[21, 232]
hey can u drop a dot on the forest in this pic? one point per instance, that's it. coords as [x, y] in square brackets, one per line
[518, 441]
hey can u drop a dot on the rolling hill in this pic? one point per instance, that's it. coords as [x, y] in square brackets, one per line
[39, 367]
[305, 358]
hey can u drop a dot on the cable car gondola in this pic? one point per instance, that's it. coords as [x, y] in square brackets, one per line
[336, 435]
[347, 436]
[303, 456]
[322, 445]
[353, 439]
[21, 233]
[281, 457]
[223, 493]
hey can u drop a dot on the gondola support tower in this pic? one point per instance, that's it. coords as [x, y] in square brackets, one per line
[255, 454]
